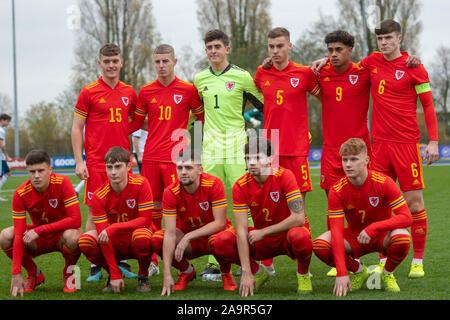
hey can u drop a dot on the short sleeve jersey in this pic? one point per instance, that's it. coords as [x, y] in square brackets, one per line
[268, 204]
[168, 113]
[345, 103]
[394, 97]
[106, 111]
[55, 210]
[224, 98]
[285, 106]
[196, 210]
[133, 202]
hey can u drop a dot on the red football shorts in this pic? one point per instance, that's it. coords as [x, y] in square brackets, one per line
[47, 242]
[402, 161]
[269, 247]
[160, 175]
[123, 243]
[199, 247]
[359, 250]
[331, 166]
[95, 180]
[300, 167]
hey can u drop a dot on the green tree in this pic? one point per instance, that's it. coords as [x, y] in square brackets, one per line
[440, 82]
[6, 105]
[25, 142]
[129, 24]
[359, 17]
[46, 129]
[246, 22]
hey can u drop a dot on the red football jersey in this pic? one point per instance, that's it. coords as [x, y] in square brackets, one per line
[168, 112]
[194, 211]
[285, 106]
[367, 208]
[268, 204]
[394, 97]
[124, 212]
[55, 210]
[345, 103]
[106, 111]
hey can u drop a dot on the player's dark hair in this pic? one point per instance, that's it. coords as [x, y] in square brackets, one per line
[259, 145]
[165, 48]
[117, 154]
[353, 147]
[217, 34]
[340, 36]
[279, 32]
[109, 50]
[190, 155]
[5, 116]
[387, 26]
[37, 156]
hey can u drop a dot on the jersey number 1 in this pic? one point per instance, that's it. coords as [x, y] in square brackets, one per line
[216, 97]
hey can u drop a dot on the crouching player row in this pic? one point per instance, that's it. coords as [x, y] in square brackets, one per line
[194, 209]
[122, 213]
[53, 206]
[367, 200]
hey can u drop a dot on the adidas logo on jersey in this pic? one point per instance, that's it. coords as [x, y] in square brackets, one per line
[267, 84]
[102, 100]
[154, 100]
[206, 88]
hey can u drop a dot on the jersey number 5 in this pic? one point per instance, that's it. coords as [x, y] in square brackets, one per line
[279, 97]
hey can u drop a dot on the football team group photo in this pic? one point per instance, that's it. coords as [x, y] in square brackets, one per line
[205, 188]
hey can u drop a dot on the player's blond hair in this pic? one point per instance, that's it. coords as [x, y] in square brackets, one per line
[164, 49]
[353, 147]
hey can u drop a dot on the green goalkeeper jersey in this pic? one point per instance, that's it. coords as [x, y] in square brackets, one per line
[224, 98]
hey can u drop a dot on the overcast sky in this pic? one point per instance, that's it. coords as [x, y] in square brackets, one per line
[45, 43]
